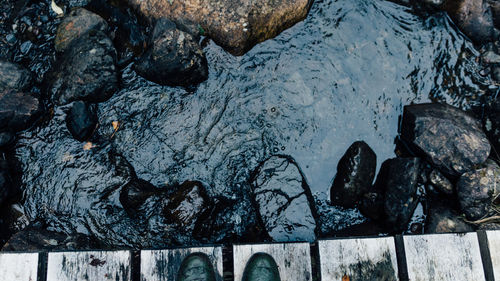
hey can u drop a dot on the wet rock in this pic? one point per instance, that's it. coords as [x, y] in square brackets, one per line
[34, 238]
[478, 189]
[355, 173]
[134, 194]
[187, 205]
[14, 77]
[284, 200]
[174, 57]
[446, 136]
[81, 120]
[78, 22]
[491, 124]
[372, 204]
[14, 218]
[398, 178]
[441, 219]
[236, 25]
[495, 10]
[129, 35]
[473, 17]
[441, 183]
[85, 71]
[18, 110]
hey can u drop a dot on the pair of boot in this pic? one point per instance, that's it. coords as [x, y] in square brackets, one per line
[197, 267]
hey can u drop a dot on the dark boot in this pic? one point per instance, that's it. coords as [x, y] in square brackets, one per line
[261, 267]
[196, 267]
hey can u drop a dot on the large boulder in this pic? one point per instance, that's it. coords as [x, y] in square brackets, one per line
[284, 201]
[355, 173]
[236, 25]
[14, 77]
[18, 111]
[85, 71]
[78, 22]
[446, 136]
[173, 58]
[478, 189]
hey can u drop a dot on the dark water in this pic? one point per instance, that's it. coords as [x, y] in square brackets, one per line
[344, 74]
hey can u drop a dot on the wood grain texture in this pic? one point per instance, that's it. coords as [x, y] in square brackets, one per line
[443, 257]
[293, 259]
[18, 266]
[358, 259]
[89, 266]
[163, 265]
[494, 246]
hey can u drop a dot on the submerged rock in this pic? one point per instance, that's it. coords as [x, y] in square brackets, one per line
[473, 17]
[187, 205]
[284, 200]
[14, 77]
[398, 179]
[446, 136]
[355, 173]
[174, 57]
[441, 219]
[236, 25]
[134, 194]
[81, 120]
[85, 71]
[478, 189]
[18, 110]
[34, 238]
[78, 22]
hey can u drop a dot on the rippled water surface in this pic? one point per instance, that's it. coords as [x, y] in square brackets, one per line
[342, 75]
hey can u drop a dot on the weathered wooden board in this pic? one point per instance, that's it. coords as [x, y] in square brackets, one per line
[494, 246]
[358, 259]
[163, 265]
[89, 266]
[443, 257]
[18, 266]
[293, 259]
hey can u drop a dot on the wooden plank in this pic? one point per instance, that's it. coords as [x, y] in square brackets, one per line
[293, 259]
[358, 259]
[89, 266]
[163, 265]
[18, 266]
[494, 246]
[443, 257]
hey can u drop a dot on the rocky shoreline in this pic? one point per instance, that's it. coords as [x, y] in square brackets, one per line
[447, 159]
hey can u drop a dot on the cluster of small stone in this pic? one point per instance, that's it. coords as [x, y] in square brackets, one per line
[446, 165]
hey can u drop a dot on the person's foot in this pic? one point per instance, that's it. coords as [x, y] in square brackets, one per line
[261, 267]
[196, 267]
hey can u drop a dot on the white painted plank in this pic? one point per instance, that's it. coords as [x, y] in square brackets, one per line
[18, 267]
[89, 266]
[359, 259]
[293, 259]
[163, 265]
[443, 257]
[494, 246]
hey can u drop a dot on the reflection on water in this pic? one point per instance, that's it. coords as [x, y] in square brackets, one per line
[342, 75]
